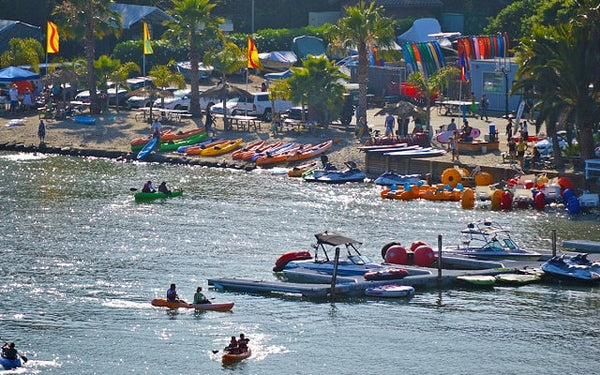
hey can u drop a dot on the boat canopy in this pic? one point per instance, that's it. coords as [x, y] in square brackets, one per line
[335, 239]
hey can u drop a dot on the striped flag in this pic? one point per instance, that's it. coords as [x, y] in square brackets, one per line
[51, 37]
[463, 68]
[253, 61]
[147, 45]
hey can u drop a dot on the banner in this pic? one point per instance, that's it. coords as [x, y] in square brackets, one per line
[51, 38]
[147, 45]
[253, 61]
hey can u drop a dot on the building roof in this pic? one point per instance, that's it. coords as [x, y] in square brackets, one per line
[132, 14]
[16, 29]
[409, 3]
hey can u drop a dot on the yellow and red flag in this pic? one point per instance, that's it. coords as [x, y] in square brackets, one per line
[51, 38]
[147, 45]
[253, 61]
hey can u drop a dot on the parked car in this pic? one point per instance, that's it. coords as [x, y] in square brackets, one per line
[231, 106]
[137, 101]
[261, 106]
[181, 100]
[295, 113]
[84, 96]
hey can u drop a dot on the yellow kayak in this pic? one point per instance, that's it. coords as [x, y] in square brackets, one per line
[222, 148]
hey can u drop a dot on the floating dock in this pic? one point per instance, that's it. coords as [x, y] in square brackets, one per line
[583, 246]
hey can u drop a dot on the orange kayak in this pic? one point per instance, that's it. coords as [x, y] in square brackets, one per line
[229, 358]
[279, 157]
[298, 170]
[247, 156]
[237, 154]
[161, 302]
[310, 151]
[167, 136]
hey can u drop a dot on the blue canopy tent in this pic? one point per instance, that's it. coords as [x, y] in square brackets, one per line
[12, 74]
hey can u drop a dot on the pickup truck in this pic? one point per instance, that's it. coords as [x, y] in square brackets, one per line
[261, 106]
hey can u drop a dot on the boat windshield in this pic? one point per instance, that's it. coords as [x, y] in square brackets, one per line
[493, 245]
[511, 245]
[359, 259]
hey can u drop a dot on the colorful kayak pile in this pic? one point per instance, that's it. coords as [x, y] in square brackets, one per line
[424, 57]
[268, 154]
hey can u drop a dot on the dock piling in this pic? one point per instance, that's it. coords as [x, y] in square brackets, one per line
[334, 275]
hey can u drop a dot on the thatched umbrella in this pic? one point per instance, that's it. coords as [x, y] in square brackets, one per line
[60, 77]
[151, 92]
[224, 92]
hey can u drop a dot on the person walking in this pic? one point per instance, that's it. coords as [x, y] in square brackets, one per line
[484, 106]
[41, 131]
[454, 147]
[389, 125]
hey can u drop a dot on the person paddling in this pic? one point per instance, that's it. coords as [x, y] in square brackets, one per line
[9, 352]
[172, 294]
[200, 298]
[148, 188]
[243, 343]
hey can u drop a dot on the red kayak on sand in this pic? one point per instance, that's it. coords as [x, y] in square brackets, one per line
[229, 358]
[161, 302]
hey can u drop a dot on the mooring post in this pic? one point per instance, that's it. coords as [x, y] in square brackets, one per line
[439, 257]
[553, 242]
[334, 275]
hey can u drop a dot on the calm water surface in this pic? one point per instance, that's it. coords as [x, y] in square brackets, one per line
[81, 261]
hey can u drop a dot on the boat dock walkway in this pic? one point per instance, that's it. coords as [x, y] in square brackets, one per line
[418, 277]
[584, 246]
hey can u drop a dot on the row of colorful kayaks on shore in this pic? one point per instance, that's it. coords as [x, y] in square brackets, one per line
[197, 142]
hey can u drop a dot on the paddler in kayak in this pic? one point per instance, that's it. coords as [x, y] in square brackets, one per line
[172, 294]
[148, 188]
[233, 346]
[242, 343]
[9, 352]
[163, 188]
[200, 298]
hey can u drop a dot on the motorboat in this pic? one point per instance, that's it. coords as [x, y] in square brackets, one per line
[277, 61]
[392, 178]
[576, 268]
[486, 239]
[350, 263]
[331, 175]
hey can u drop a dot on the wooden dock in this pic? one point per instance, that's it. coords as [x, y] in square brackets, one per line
[353, 286]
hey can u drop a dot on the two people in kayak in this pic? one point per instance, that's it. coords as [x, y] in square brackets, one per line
[237, 346]
[199, 297]
[149, 188]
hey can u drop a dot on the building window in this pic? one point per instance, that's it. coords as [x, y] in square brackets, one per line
[493, 82]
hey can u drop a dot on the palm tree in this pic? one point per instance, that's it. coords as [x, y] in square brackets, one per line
[363, 27]
[26, 51]
[228, 59]
[87, 20]
[119, 77]
[317, 84]
[431, 85]
[193, 24]
[560, 62]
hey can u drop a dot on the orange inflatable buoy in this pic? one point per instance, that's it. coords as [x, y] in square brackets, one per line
[483, 179]
[451, 177]
[396, 254]
[506, 201]
[468, 199]
[423, 256]
[496, 199]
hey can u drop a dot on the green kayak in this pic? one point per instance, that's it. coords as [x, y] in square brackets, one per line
[145, 197]
[174, 145]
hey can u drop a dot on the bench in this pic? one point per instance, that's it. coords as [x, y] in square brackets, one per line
[592, 169]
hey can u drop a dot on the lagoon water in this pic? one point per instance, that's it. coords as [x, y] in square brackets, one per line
[81, 262]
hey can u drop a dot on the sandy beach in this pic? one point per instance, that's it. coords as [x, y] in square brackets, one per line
[115, 130]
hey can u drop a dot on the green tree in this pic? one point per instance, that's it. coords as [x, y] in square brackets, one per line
[193, 25]
[561, 63]
[119, 77]
[88, 20]
[431, 85]
[26, 51]
[317, 83]
[363, 27]
[163, 76]
[227, 60]
[104, 67]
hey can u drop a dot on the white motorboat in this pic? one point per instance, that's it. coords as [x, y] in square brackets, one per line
[185, 68]
[351, 261]
[489, 240]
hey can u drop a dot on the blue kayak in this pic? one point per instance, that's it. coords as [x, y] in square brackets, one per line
[148, 148]
[10, 364]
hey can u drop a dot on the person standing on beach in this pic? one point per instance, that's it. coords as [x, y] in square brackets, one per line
[13, 95]
[42, 131]
[484, 105]
[454, 146]
[156, 128]
[389, 125]
[509, 129]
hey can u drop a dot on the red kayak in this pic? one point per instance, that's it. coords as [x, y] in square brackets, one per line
[161, 302]
[229, 358]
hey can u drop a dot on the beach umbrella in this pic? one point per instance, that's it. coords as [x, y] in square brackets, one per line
[224, 92]
[151, 92]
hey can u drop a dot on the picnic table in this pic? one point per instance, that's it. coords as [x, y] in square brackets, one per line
[454, 107]
[240, 122]
[165, 115]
